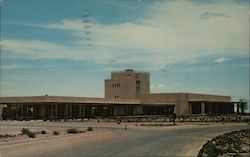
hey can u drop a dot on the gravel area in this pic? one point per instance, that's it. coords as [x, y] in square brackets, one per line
[235, 143]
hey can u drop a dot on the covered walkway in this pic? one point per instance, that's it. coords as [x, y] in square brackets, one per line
[216, 107]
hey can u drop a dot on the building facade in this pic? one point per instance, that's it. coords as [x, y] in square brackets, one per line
[127, 84]
[127, 93]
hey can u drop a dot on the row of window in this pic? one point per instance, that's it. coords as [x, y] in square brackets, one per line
[116, 85]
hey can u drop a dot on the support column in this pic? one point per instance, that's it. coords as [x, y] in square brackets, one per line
[70, 110]
[22, 111]
[190, 108]
[51, 111]
[175, 109]
[56, 110]
[66, 111]
[210, 108]
[17, 111]
[217, 109]
[223, 109]
[202, 108]
[242, 108]
[83, 111]
[27, 111]
[80, 115]
[237, 108]
[32, 111]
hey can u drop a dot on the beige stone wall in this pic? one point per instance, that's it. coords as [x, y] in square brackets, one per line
[205, 97]
[121, 92]
[180, 100]
[122, 85]
[182, 106]
[158, 98]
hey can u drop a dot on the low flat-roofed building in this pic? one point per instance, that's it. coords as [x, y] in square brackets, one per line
[191, 103]
[138, 102]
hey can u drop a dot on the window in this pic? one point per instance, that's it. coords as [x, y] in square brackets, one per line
[138, 86]
[116, 85]
[116, 97]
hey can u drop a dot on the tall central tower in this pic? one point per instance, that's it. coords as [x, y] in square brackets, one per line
[127, 84]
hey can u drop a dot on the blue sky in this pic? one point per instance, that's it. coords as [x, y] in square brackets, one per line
[68, 48]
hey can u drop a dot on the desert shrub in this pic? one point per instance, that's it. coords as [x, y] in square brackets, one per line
[56, 133]
[5, 113]
[81, 131]
[25, 131]
[6, 135]
[31, 135]
[72, 131]
[43, 132]
[90, 129]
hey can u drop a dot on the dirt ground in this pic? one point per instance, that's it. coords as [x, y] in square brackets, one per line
[109, 139]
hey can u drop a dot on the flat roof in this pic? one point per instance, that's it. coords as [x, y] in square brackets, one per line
[63, 99]
[187, 93]
[219, 101]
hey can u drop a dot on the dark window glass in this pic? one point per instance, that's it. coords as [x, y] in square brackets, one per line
[138, 86]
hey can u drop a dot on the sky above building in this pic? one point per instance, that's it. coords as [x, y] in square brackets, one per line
[68, 47]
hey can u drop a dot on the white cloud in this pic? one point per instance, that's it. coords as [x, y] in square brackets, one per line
[175, 33]
[208, 15]
[221, 60]
[14, 66]
[158, 85]
[65, 24]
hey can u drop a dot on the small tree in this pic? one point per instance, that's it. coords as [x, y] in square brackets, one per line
[90, 129]
[173, 118]
[56, 133]
[25, 131]
[72, 131]
[5, 113]
[32, 135]
[29, 133]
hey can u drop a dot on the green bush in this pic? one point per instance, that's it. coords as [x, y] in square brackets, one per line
[90, 129]
[72, 131]
[25, 131]
[6, 135]
[31, 135]
[56, 133]
[43, 132]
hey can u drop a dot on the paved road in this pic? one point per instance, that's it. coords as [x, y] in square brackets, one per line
[133, 142]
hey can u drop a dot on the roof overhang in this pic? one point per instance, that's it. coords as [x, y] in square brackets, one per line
[65, 100]
[159, 104]
[217, 102]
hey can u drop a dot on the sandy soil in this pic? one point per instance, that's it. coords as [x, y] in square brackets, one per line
[108, 136]
[31, 147]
